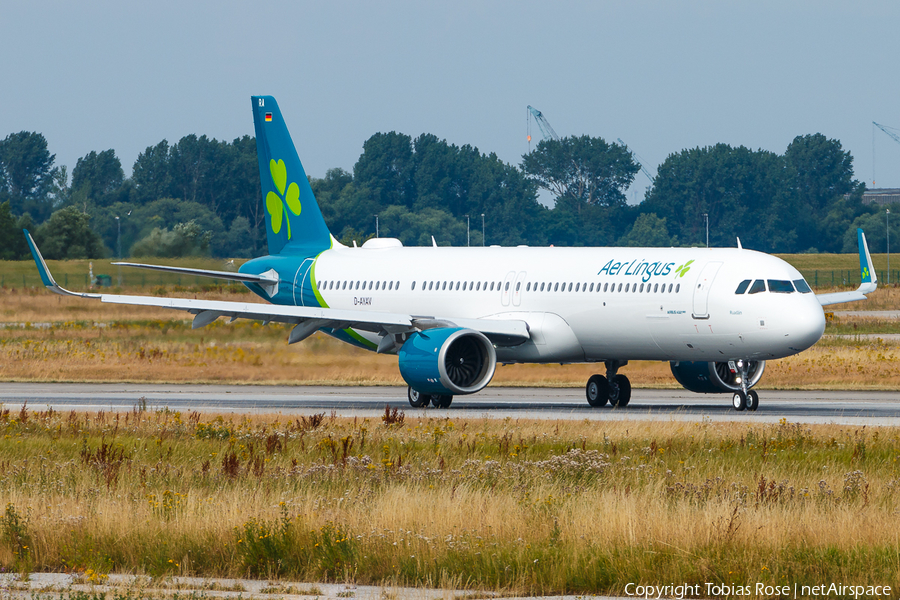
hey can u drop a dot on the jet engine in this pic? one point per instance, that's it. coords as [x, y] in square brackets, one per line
[714, 377]
[447, 360]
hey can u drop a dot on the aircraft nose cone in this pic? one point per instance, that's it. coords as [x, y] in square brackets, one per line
[807, 326]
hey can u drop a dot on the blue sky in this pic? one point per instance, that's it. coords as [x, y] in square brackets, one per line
[663, 76]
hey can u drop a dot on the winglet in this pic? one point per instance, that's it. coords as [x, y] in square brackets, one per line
[44, 272]
[867, 276]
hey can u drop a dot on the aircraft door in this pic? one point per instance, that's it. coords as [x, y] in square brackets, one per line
[301, 282]
[505, 288]
[517, 289]
[702, 288]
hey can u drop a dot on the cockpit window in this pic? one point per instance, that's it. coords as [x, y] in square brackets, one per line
[802, 286]
[742, 286]
[758, 286]
[779, 286]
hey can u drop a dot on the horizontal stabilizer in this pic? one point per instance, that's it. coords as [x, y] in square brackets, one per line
[268, 281]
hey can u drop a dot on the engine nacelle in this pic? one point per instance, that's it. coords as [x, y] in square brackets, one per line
[714, 377]
[447, 360]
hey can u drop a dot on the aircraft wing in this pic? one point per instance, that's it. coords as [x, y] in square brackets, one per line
[867, 276]
[306, 319]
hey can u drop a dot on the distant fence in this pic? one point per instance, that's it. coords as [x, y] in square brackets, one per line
[826, 278]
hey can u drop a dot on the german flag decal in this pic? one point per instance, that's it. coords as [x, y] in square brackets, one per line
[268, 117]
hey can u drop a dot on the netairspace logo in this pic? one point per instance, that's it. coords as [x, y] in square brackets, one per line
[724, 590]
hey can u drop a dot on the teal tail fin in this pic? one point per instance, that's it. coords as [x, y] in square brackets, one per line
[294, 223]
[868, 278]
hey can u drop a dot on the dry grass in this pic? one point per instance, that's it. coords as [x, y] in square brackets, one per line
[536, 507]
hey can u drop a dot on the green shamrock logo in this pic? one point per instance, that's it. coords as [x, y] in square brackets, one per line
[865, 272]
[683, 269]
[278, 204]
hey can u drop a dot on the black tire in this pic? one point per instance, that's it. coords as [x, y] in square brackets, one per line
[739, 401]
[439, 401]
[597, 391]
[624, 390]
[416, 398]
[752, 400]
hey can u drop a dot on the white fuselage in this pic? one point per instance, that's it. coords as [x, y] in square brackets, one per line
[586, 304]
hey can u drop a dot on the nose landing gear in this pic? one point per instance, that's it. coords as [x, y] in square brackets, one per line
[744, 398]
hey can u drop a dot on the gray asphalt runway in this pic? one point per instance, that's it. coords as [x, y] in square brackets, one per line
[845, 407]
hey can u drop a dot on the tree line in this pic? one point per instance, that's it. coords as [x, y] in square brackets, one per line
[201, 196]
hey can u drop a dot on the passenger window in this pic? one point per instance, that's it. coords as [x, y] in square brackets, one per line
[413, 285]
[620, 287]
[506, 287]
[555, 287]
[802, 286]
[758, 286]
[592, 287]
[492, 286]
[570, 287]
[478, 288]
[457, 286]
[397, 285]
[577, 285]
[626, 287]
[518, 286]
[357, 285]
[444, 286]
[677, 288]
[376, 286]
[742, 286]
[642, 287]
[430, 285]
[779, 286]
[528, 287]
[605, 287]
[655, 287]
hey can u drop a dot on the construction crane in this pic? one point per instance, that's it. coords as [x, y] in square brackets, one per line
[542, 123]
[640, 161]
[890, 133]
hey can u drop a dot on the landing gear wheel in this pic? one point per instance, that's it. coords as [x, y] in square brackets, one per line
[597, 391]
[439, 401]
[739, 401]
[620, 392]
[752, 400]
[417, 399]
[624, 390]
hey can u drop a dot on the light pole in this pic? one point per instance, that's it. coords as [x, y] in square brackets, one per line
[118, 238]
[887, 222]
[467, 230]
[376, 226]
[706, 218]
[482, 229]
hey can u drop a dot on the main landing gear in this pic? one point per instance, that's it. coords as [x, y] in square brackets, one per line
[614, 388]
[744, 399]
[420, 400]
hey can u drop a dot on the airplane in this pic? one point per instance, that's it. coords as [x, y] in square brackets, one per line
[452, 314]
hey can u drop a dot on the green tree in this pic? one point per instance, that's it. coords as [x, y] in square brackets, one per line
[12, 240]
[648, 230]
[67, 234]
[821, 175]
[27, 167]
[97, 176]
[745, 194]
[584, 168]
[874, 224]
[385, 169]
[184, 239]
[150, 173]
